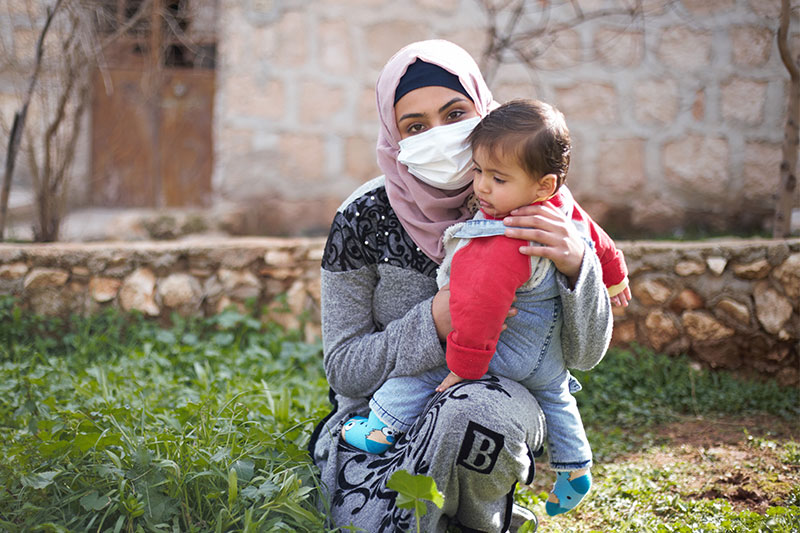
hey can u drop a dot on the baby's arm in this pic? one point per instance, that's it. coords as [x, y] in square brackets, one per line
[451, 379]
[484, 276]
[615, 270]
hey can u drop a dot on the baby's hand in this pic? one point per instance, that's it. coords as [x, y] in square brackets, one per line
[622, 298]
[448, 382]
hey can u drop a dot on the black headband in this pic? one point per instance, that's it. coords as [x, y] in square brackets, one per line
[422, 74]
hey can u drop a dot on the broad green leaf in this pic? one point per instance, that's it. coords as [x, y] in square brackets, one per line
[264, 491]
[118, 525]
[228, 318]
[114, 458]
[160, 507]
[220, 454]
[166, 337]
[109, 471]
[40, 480]
[53, 447]
[413, 488]
[223, 339]
[244, 469]
[92, 501]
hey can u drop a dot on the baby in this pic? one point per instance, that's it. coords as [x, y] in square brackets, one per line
[521, 152]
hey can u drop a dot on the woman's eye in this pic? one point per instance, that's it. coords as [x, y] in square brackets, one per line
[476, 170]
[456, 114]
[414, 129]
[498, 180]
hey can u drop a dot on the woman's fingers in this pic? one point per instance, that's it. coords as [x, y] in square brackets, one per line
[558, 238]
[536, 223]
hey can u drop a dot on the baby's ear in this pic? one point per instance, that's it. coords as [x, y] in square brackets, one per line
[547, 185]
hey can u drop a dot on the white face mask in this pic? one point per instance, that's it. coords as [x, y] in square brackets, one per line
[441, 156]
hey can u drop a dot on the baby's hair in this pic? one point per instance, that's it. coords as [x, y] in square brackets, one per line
[534, 131]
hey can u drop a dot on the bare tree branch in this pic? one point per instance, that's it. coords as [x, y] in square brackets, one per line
[528, 44]
[119, 32]
[19, 121]
[122, 30]
[580, 19]
[783, 40]
[781, 226]
[64, 98]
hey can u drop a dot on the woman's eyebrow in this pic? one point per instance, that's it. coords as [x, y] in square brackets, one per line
[451, 102]
[411, 115]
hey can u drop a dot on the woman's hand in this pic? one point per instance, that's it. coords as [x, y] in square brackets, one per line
[561, 242]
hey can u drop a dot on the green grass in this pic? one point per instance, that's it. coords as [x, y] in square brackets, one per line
[632, 390]
[114, 423]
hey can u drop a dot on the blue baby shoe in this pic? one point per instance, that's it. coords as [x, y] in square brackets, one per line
[568, 492]
[368, 434]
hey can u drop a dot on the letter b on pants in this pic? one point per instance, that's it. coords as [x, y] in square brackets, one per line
[480, 449]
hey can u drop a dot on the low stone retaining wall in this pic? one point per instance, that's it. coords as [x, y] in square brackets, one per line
[158, 278]
[731, 304]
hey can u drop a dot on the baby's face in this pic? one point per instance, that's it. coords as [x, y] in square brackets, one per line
[501, 185]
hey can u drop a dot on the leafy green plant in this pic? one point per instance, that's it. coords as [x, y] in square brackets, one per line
[413, 491]
[634, 385]
[112, 423]
[633, 390]
[529, 526]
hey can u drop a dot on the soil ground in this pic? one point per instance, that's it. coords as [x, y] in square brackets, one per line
[739, 459]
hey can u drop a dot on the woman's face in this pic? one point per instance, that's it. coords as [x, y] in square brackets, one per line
[429, 107]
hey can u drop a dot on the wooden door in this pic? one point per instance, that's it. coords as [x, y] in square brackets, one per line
[186, 148]
[152, 112]
[123, 154]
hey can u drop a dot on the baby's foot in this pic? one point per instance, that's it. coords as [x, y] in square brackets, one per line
[568, 491]
[368, 434]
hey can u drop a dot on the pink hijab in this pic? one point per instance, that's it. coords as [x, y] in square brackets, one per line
[424, 211]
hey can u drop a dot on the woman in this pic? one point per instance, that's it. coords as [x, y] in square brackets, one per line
[382, 315]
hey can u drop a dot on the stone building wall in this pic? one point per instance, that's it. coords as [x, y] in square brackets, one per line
[728, 304]
[683, 109]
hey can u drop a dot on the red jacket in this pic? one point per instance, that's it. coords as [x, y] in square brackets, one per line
[485, 274]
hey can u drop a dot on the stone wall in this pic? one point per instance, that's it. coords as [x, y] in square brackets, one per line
[159, 278]
[683, 107]
[729, 304]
